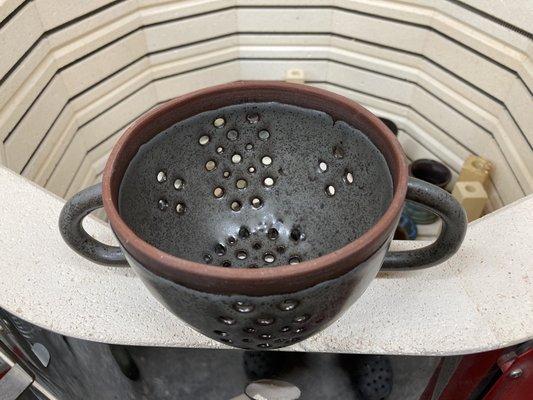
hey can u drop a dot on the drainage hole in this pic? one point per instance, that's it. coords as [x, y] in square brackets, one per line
[295, 234]
[162, 204]
[236, 158]
[266, 160]
[338, 152]
[161, 176]
[269, 258]
[244, 232]
[210, 165]
[178, 184]
[232, 135]
[268, 181]
[236, 205]
[220, 249]
[273, 233]
[295, 260]
[180, 208]
[348, 177]
[219, 122]
[256, 202]
[263, 134]
[252, 118]
[218, 192]
[241, 184]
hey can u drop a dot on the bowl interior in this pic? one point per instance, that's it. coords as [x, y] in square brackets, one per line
[255, 184]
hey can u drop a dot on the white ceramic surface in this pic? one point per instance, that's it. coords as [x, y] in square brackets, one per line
[458, 81]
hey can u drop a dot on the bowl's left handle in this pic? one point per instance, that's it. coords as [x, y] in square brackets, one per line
[71, 228]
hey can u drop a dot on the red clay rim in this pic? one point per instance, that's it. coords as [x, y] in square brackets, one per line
[267, 280]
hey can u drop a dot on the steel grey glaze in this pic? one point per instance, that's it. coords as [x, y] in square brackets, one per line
[296, 219]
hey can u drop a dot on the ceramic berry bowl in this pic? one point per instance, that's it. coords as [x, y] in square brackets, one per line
[258, 211]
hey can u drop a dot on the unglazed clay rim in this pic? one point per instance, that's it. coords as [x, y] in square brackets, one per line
[266, 280]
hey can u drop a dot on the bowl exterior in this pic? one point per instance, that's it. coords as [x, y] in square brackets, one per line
[268, 321]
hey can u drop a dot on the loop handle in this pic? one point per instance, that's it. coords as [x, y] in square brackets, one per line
[72, 231]
[451, 235]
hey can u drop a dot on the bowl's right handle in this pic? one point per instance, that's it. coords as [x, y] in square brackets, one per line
[450, 238]
[73, 233]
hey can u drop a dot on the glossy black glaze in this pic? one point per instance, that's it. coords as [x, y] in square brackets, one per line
[431, 171]
[297, 220]
[391, 125]
[263, 322]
